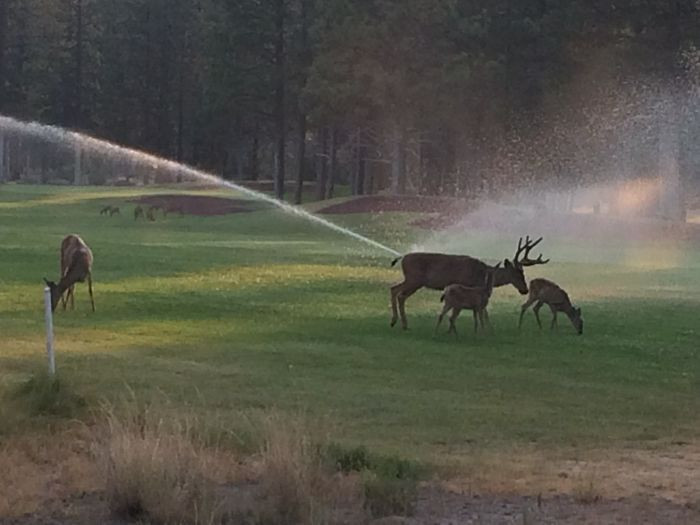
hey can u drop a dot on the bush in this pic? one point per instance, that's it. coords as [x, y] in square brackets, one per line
[157, 469]
[46, 395]
[298, 486]
[390, 484]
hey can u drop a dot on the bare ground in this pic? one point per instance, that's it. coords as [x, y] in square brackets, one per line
[56, 482]
[396, 203]
[198, 204]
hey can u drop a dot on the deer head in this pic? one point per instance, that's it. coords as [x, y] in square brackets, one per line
[55, 293]
[576, 319]
[513, 271]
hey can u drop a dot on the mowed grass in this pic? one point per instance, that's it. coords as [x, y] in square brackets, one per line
[264, 310]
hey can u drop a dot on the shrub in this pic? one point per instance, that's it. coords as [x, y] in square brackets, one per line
[46, 395]
[157, 469]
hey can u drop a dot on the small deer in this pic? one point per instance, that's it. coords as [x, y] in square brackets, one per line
[138, 212]
[105, 210]
[438, 270]
[458, 297]
[76, 267]
[546, 292]
[151, 213]
[114, 211]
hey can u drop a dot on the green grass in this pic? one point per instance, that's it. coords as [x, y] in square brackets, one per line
[261, 310]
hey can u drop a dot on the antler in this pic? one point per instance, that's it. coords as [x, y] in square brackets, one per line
[529, 245]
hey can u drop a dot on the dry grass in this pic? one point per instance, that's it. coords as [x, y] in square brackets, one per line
[159, 466]
[44, 470]
[298, 485]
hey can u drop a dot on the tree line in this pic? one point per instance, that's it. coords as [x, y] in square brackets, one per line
[447, 97]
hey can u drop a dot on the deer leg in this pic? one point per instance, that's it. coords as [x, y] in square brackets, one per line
[523, 309]
[485, 321]
[453, 318]
[476, 316]
[536, 309]
[395, 290]
[554, 319]
[439, 319]
[92, 299]
[402, 296]
[64, 299]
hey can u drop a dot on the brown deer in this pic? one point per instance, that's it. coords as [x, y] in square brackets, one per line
[76, 267]
[546, 292]
[457, 298]
[438, 270]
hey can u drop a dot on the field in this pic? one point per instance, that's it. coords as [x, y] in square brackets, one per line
[261, 310]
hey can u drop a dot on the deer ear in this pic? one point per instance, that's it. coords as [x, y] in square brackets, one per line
[507, 263]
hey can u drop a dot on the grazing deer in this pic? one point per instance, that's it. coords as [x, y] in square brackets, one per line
[138, 212]
[458, 298]
[76, 267]
[546, 292]
[114, 211]
[105, 210]
[438, 270]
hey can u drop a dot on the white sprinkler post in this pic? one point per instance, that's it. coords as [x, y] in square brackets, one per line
[48, 314]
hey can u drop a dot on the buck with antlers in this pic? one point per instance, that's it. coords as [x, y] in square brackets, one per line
[76, 267]
[438, 270]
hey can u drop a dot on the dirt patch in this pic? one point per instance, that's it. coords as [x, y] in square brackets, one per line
[203, 205]
[397, 203]
[55, 482]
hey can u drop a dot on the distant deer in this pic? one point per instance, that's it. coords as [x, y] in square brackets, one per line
[546, 292]
[458, 298]
[151, 213]
[114, 211]
[105, 210]
[438, 270]
[138, 212]
[76, 267]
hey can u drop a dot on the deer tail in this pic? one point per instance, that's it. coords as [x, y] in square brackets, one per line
[393, 263]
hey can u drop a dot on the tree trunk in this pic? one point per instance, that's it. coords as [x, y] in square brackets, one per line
[361, 165]
[2, 155]
[279, 98]
[321, 167]
[3, 38]
[254, 153]
[78, 122]
[672, 200]
[399, 162]
[301, 160]
[305, 60]
[78, 167]
[333, 164]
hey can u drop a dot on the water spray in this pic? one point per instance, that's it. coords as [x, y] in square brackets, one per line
[59, 135]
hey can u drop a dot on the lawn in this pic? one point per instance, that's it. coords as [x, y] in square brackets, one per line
[265, 310]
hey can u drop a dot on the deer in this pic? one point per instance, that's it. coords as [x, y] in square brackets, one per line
[458, 297]
[438, 270]
[76, 267]
[543, 291]
[114, 211]
[151, 213]
[105, 210]
[138, 212]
